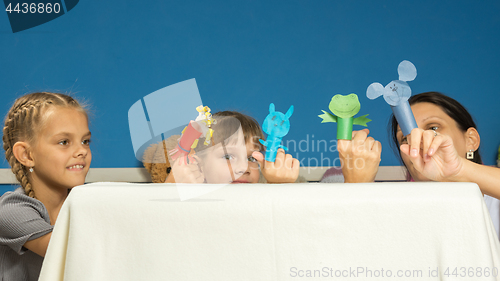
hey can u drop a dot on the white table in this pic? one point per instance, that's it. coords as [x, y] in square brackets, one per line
[116, 231]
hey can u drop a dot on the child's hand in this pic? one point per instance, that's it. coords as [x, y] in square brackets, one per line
[285, 169]
[433, 155]
[185, 173]
[360, 157]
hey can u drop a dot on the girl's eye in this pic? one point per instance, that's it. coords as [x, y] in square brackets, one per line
[63, 142]
[434, 128]
[404, 140]
[252, 159]
[228, 157]
[86, 142]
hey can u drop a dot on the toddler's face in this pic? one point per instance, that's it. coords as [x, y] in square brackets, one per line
[231, 162]
[251, 175]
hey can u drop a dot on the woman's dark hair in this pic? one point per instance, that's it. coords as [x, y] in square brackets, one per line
[450, 106]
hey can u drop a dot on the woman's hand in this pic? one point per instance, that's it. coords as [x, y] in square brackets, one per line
[360, 157]
[433, 155]
[285, 169]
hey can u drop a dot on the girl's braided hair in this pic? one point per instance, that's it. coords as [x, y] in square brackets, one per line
[24, 121]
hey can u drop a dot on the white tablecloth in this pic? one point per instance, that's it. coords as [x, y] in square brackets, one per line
[412, 231]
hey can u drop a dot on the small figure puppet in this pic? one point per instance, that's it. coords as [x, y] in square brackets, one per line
[343, 109]
[205, 117]
[396, 94]
[276, 126]
[190, 135]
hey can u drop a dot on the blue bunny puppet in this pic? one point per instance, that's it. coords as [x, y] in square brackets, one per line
[276, 126]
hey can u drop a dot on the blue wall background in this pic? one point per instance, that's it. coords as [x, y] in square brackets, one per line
[246, 54]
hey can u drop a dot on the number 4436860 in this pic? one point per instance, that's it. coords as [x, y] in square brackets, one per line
[34, 8]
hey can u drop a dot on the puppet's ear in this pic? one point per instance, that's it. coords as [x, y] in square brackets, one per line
[271, 108]
[374, 91]
[289, 112]
[407, 71]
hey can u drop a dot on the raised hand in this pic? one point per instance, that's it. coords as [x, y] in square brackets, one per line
[360, 157]
[185, 173]
[433, 155]
[285, 169]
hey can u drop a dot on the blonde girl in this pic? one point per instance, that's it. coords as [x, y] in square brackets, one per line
[46, 141]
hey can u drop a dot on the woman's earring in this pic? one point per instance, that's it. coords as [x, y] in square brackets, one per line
[470, 155]
[31, 170]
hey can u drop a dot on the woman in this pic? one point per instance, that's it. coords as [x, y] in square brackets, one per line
[445, 147]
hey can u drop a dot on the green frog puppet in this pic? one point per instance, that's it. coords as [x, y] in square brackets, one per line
[343, 109]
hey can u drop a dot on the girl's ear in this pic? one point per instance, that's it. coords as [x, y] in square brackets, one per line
[472, 139]
[21, 151]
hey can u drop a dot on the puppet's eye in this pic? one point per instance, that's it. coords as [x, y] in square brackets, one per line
[282, 122]
[274, 118]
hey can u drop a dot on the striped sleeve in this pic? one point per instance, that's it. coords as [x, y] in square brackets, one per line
[22, 218]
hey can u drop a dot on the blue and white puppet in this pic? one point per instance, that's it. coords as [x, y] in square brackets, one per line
[276, 126]
[396, 94]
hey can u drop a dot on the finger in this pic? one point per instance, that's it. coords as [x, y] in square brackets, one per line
[436, 143]
[193, 167]
[377, 150]
[377, 147]
[415, 141]
[295, 167]
[427, 137]
[369, 143]
[343, 146]
[405, 148]
[354, 133]
[259, 157]
[196, 178]
[200, 178]
[280, 158]
[374, 144]
[176, 162]
[413, 151]
[280, 154]
[360, 136]
[288, 161]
